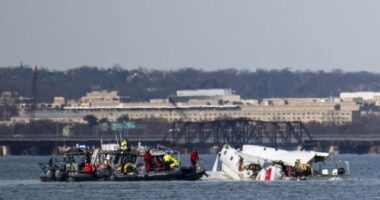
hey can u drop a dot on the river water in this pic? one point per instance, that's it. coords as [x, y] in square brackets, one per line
[19, 179]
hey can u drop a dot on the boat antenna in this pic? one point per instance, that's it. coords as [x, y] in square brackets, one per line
[117, 141]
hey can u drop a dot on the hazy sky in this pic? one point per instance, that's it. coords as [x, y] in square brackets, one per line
[208, 34]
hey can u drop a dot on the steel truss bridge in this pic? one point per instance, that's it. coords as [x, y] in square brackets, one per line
[239, 131]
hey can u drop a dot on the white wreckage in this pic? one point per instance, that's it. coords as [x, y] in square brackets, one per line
[260, 163]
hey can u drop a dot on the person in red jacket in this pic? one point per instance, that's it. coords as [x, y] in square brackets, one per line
[87, 165]
[87, 168]
[148, 160]
[194, 157]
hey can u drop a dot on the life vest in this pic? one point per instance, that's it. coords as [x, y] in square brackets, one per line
[167, 158]
[193, 156]
[127, 167]
[87, 168]
[173, 162]
[147, 157]
[123, 144]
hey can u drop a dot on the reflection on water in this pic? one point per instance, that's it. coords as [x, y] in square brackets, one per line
[19, 180]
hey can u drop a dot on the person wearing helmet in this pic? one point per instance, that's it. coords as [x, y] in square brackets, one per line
[124, 144]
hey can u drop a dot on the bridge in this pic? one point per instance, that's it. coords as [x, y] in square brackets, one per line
[277, 134]
[213, 133]
[237, 132]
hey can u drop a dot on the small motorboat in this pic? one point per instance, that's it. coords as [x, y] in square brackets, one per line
[254, 162]
[126, 165]
[69, 167]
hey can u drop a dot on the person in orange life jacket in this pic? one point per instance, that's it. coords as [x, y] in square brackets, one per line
[87, 168]
[194, 157]
[87, 165]
[148, 160]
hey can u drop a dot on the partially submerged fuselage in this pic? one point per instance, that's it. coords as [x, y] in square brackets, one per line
[255, 162]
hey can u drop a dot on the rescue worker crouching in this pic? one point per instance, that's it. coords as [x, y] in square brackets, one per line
[128, 167]
[298, 168]
[302, 169]
[170, 161]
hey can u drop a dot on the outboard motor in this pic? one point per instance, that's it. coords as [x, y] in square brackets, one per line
[49, 174]
[59, 175]
[341, 171]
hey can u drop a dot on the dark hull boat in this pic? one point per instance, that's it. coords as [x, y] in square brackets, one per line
[115, 165]
[177, 174]
[192, 173]
[182, 174]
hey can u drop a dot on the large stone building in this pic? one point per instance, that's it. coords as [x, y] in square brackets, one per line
[201, 105]
[365, 96]
[303, 109]
[100, 99]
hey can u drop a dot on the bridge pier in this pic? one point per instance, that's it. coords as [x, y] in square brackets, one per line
[374, 149]
[5, 150]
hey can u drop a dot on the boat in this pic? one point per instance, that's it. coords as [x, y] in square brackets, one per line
[111, 163]
[69, 167]
[254, 162]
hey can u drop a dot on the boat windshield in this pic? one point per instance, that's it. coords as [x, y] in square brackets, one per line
[124, 158]
[75, 159]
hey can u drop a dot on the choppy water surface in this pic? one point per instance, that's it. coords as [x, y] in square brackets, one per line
[19, 179]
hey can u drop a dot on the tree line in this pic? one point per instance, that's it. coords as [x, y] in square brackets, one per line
[142, 84]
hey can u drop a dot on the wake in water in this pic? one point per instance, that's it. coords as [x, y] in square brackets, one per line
[19, 182]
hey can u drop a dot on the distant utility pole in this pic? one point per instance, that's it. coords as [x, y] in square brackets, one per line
[4, 108]
[33, 107]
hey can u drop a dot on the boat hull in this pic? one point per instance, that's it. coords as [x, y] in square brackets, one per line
[185, 173]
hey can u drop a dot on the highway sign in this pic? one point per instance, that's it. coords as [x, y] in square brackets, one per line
[117, 126]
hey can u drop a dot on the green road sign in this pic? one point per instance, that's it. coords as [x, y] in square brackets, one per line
[129, 125]
[116, 126]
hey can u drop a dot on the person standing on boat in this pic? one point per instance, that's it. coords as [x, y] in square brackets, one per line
[148, 160]
[124, 144]
[194, 157]
[87, 164]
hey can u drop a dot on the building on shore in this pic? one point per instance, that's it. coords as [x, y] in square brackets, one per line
[364, 96]
[203, 105]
